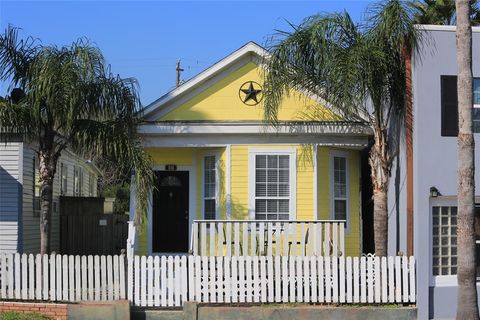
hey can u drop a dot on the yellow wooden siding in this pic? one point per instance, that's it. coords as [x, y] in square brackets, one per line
[221, 101]
[304, 184]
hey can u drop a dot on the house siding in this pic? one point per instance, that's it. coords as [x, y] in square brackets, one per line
[239, 184]
[10, 196]
[31, 222]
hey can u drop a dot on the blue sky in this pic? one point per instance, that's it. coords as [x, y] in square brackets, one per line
[144, 39]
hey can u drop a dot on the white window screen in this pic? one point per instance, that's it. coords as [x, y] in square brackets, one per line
[340, 188]
[272, 187]
[444, 254]
[209, 187]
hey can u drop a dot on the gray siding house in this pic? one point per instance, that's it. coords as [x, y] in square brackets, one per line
[434, 159]
[19, 194]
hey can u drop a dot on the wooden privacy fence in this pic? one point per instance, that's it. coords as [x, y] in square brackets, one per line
[267, 238]
[170, 281]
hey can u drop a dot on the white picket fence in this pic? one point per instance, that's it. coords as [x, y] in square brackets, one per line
[168, 281]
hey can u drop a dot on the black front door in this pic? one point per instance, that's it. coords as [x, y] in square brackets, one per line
[170, 212]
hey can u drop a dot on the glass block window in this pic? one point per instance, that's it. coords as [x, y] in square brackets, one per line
[444, 255]
[209, 188]
[272, 187]
[339, 188]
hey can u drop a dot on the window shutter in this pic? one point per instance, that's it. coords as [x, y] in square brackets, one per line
[449, 106]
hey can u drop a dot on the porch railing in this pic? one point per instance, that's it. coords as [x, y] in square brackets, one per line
[270, 238]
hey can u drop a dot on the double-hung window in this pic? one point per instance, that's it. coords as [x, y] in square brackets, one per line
[449, 106]
[273, 183]
[63, 178]
[77, 181]
[209, 188]
[339, 187]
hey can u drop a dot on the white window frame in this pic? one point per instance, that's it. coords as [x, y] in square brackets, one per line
[63, 182]
[91, 184]
[333, 155]
[217, 184]
[78, 169]
[292, 153]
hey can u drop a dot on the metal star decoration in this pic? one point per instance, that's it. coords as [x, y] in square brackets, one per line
[250, 93]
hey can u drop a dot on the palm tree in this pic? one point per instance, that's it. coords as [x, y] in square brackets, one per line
[358, 70]
[442, 12]
[66, 97]
[467, 307]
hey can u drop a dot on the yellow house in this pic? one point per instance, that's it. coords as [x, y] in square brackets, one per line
[216, 161]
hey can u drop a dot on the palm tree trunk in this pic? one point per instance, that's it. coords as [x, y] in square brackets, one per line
[47, 168]
[467, 307]
[380, 177]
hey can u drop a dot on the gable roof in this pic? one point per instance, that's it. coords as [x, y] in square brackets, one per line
[251, 48]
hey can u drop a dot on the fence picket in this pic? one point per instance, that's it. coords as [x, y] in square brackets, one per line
[256, 284]
[90, 273]
[314, 282]
[328, 280]
[96, 277]
[198, 279]
[24, 277]
[177, 277]
[356, 283]
[291, 278]
[78, 279]
[116, 274]
[384, 293]
[103, 278]
[348, 262]
[306, 275]
[136, 280]
[71, 278]
[391, 286]
[270, 276]
[363, 280]
[121, 262]
[17, 266]
[284, 278]
[156, 271]
[277, 270]
[38, 270]
[262, 280]
[234, 287]
[377, 279]
[321, 283]
[299, 278]
[228, 279]
[204, 282]
[53, 292]
[398, 280]
[170, 297]
[220, 279]
[241, 279]
[334, 278]
[150, 281]
[405, 279]
[411, 268]
[65, 278]
[370, 280]
[109, 277]
[59, 277]
[341, 276]
[163, 281]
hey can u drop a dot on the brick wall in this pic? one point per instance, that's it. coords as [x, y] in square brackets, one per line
[53, 310]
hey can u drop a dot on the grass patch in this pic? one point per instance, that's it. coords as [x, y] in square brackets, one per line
[12, 315]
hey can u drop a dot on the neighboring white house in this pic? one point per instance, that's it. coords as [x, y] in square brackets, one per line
[19, 194]
[431, 194]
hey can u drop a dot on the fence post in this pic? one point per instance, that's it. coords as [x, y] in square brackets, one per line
[130, 255]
